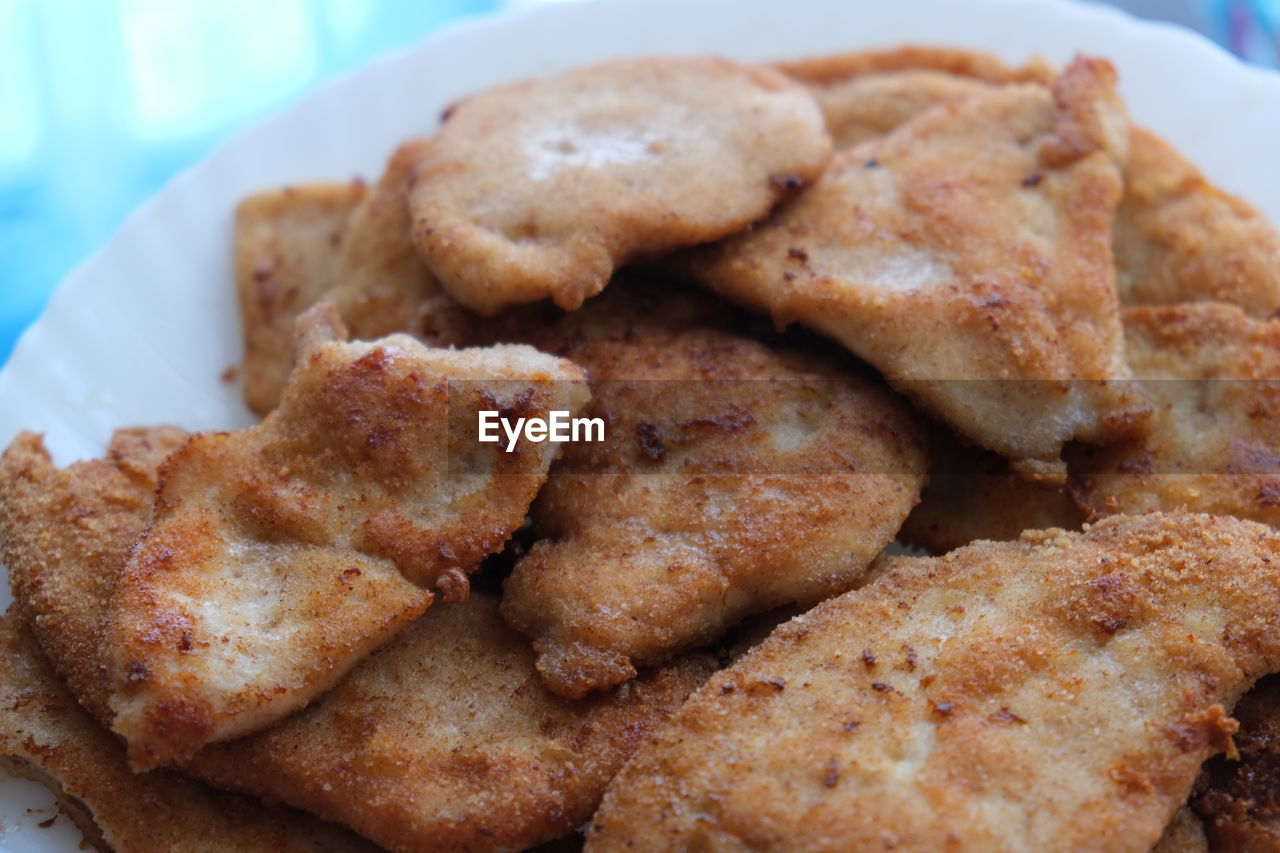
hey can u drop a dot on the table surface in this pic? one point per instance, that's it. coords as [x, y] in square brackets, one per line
[106, 102]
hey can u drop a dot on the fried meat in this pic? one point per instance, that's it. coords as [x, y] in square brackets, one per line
[1055, 693]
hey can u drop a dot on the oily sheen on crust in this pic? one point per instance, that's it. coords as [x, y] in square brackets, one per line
[733, 478]
[543, 188]
[281, 555]
[967, 256]
[1055, 693]
[453, 699]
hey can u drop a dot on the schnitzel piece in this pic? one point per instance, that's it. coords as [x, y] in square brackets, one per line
[967, 256]
[445, 740]
[972, 494]
[543, 188]
[1178, 238]
[281, 555]
[381, 286]
[86, 515]
[442, 740]
[1181, 239]
[1241, 802]
[46, 736]
[868, 94]
[286, 247]
[1055, 693]
[1213, 374]
[733, 478]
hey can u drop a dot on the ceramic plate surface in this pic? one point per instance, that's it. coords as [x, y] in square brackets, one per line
[142, 331]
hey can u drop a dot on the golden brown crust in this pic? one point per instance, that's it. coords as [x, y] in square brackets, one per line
[1055, 693]
[972, 244]
[442, 740]
[381, 286]
[281, 555]
[1090, 116]
[543, 188]
[973, 494]
[1214, 440]
[286, 248]
[733, 478]
[87, 515]
[446, 741]
[47, 736]
[1179, 238]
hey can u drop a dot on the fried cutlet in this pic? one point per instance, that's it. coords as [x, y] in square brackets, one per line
[1178, 238]
[1181, 239]
[733, 478]
[46, 736]
[967, 256]
[1055, 693]
[543, 188]
[443, 740]
[281, 555]
[286, 248]
[1213, 375]
[87, 515]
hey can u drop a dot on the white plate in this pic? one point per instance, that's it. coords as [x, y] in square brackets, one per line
[141, 332]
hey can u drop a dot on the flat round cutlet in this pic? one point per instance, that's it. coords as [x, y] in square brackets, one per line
[733, 478]
[1213, 375]
[281, 555]
[542, 188]
[1055, 693]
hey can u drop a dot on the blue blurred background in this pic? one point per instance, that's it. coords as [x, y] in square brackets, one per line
[103, 101]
